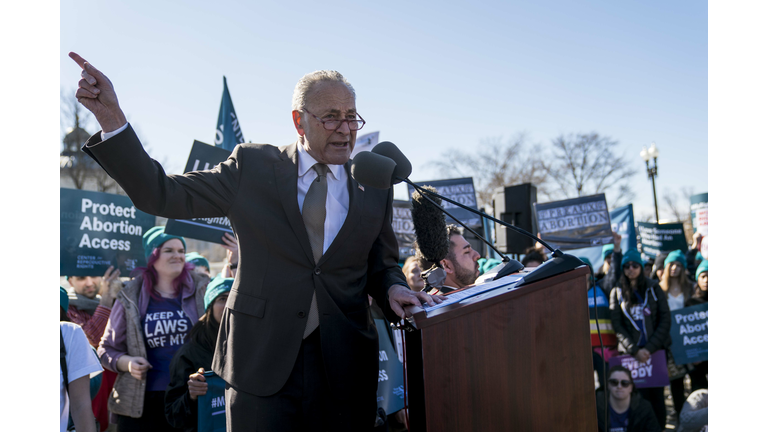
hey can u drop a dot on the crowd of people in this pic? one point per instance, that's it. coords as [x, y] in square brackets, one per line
[635, 296]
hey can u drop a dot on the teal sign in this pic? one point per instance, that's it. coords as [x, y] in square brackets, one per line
[211, 407]
[390, 393]
[99, 230]
[690, 334]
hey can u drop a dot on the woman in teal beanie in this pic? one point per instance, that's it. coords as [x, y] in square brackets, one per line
[150, 321]
[641, 319]
[699, 371]
[196, 356]
[678, 291]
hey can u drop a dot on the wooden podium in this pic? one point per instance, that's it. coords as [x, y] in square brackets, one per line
[514, 360]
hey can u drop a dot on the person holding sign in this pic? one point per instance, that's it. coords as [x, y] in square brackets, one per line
[700, 370]
[641, 319]
[678, 291]
[627, 410]
[150, 321]
[313, 244]
[195, 357]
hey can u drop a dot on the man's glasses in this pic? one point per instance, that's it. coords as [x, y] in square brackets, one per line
[614, 382]
[630, 265]
[333, 124]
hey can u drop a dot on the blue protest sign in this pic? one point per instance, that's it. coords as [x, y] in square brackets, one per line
[202, 156]
[99, 230]
[390, 394]
[461, 190]
[622, 223]
[690, 334]
[211, 407]
[228, 132]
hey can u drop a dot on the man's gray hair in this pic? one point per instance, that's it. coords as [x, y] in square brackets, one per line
[306, 83]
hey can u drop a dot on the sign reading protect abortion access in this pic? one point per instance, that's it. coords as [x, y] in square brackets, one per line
[99, 230]
[202, 157]
[574, 223]
[690, 334]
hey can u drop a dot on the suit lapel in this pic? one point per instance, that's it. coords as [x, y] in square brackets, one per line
[287, 176]
[356, 197]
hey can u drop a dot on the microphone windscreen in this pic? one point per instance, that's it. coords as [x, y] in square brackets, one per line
[429, 224]
[403, 165]
[371, 169]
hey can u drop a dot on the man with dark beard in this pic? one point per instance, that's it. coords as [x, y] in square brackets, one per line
[461, 264]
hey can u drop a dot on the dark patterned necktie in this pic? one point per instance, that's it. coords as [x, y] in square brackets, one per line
[313, 213]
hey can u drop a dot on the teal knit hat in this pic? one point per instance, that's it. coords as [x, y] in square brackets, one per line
[64, 298]
[677, 255]
[217, 287]
[198, 260]
[632, 255]
[607, 250]
[703, 267]
[155, 237]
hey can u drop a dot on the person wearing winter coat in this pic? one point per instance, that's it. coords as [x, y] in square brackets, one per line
[627, 410]
[150, 321]
[641, 319]
[195, 357]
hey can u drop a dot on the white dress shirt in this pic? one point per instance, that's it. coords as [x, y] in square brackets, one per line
[336, 202]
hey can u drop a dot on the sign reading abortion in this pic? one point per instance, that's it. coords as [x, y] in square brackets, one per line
[202, 157]
[574, 223]
[461, 190]
[402, 224]
[652, 373]
[99, 230]
[390, 393]
[690, 334]
[657, 239]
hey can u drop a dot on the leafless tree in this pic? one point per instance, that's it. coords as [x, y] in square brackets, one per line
[496, 163]
[678, 207]
[587, 164]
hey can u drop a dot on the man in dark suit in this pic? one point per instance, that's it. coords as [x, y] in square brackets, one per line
[297, 345]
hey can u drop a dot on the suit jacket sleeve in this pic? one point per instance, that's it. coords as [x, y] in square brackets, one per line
[383, 268]
[195, 194]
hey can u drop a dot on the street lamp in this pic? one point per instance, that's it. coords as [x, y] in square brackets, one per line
[647, 154]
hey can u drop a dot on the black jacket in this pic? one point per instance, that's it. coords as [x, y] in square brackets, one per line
[180, 409]
[657, 324]
[641, 416]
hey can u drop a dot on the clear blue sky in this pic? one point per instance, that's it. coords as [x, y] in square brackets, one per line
[430, 76]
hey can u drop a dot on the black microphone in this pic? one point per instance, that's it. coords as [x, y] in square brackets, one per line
[371, 169]
[402, 164]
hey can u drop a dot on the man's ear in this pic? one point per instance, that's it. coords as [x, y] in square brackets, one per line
[447, 266]
[297, 122]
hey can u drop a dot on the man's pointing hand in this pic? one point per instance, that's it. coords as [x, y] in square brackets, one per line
[96, 93]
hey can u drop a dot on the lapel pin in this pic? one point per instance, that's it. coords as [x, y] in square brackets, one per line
[361, 187]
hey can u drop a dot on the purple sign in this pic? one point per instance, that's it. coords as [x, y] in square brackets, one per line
[652, 373]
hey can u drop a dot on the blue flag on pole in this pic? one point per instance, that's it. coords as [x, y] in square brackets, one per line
[228, 132]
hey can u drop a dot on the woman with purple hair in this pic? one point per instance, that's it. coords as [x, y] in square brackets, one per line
[150, 321]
